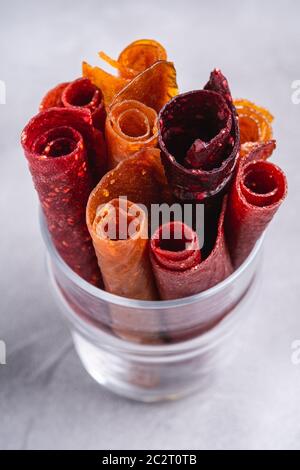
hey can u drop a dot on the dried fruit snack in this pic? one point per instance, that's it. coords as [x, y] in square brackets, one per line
[257, 192]
[199, 140]
[136, 57]
[109, 84]
[53, 98]
[140, 178]
[153, 86]
[56, 143]
[79, 93]
[130, 126]
[252, 151]
[255, 130]
[177, 261]
[209, 145]
[120, 235]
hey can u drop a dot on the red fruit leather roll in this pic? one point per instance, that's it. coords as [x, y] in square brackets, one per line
[53, 98]
[257, 192]
[81, 93]
[56, 143]
[178, 266]
[199, 140]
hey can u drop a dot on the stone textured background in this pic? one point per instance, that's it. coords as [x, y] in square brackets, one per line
[47, 400]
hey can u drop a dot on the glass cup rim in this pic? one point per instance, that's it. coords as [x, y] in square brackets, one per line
[133, 303]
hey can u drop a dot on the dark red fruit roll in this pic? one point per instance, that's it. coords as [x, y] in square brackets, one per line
[199, 139]
[56, 143]
[257, 192]
[178, 265]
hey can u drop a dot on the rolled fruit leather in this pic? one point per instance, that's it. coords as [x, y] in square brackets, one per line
[56, 143]
[256, 132]
[141, 179]
[199, 138]
[132, 61]
[257, 192]
[123, 254]
[132, 115]
[136, 57]
[81, 93]
[130, 126]
[120, 236]
[153, 87]
[181, 268]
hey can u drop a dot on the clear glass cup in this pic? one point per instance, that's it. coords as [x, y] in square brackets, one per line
[152, 351]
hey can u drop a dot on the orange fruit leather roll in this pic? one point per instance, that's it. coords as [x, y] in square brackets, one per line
[136, 57]
[119, 230]
[130, 126]
[154, 86]
[120, 237]
[140, 178]
[255, 131]
[108, 83]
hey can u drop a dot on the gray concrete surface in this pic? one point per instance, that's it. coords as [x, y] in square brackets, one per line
[46, 398]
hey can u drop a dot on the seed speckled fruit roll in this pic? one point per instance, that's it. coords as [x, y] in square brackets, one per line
[257, 192]
[56, 143]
